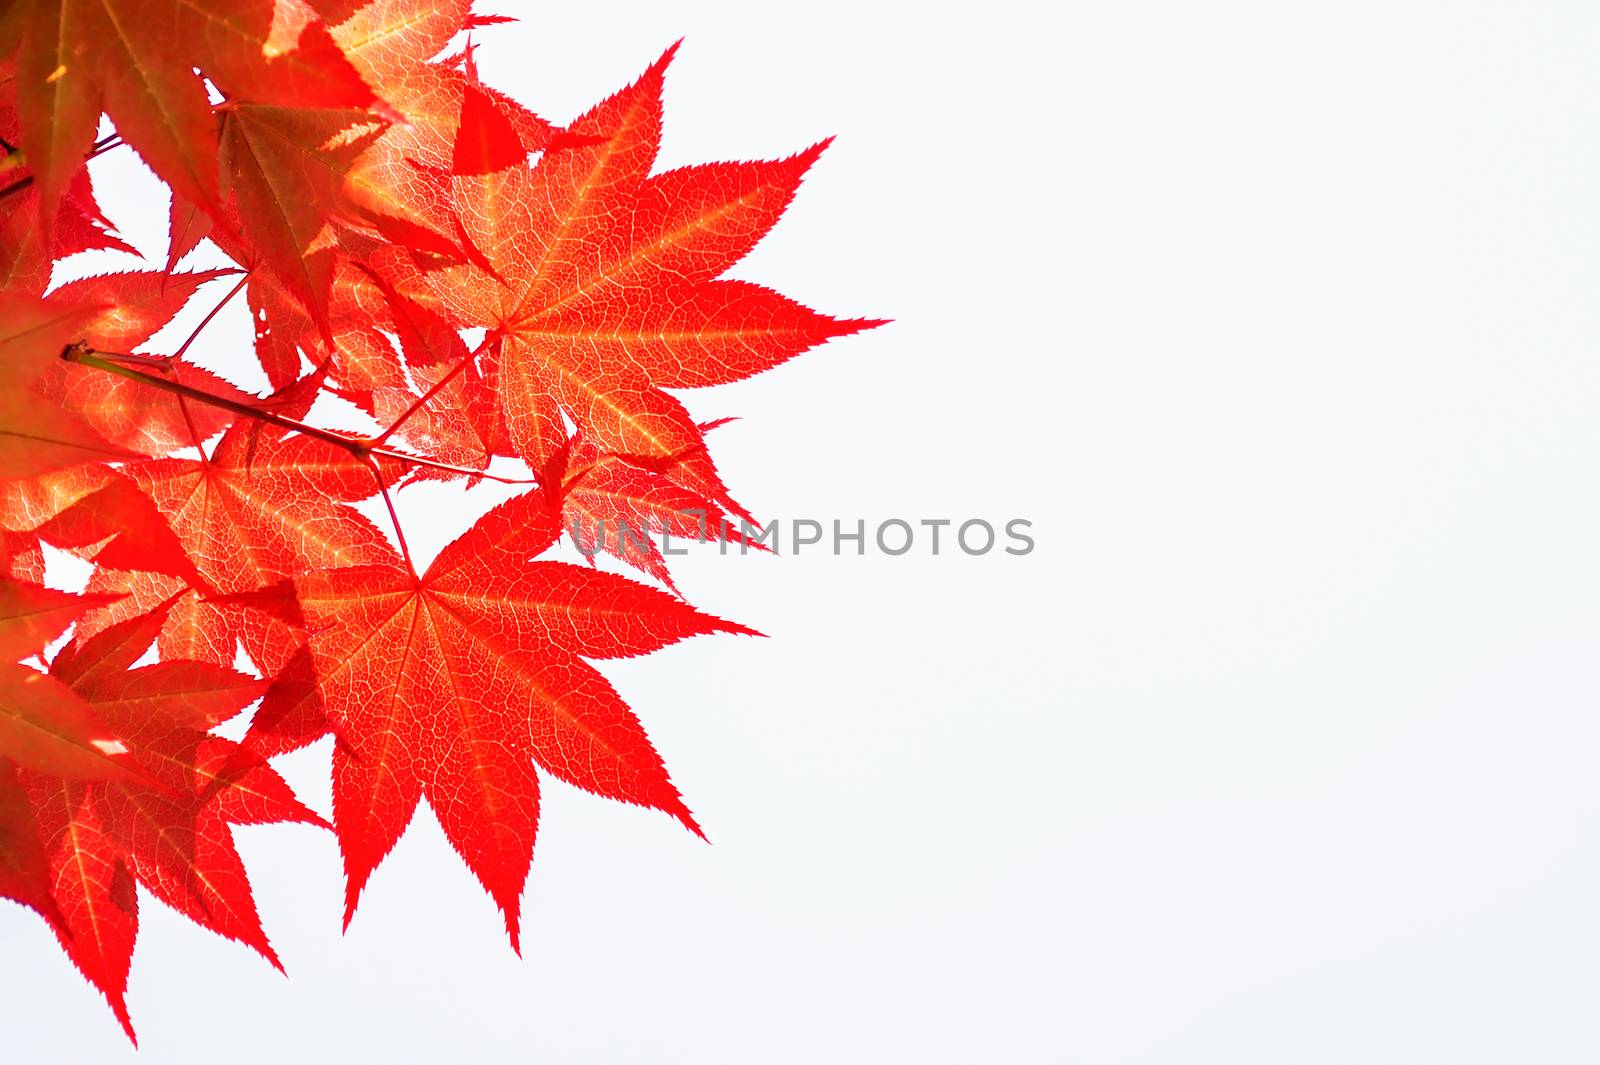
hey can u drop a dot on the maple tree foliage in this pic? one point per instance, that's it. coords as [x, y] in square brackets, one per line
[496, 292]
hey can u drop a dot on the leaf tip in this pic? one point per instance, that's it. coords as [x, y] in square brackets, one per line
[119, 1008]
[352, 895]
[736, 629]
[681, 812]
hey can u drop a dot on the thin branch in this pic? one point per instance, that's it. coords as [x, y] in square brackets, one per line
[87, 356]
[433, 464]
[154, 362]
[360, 447]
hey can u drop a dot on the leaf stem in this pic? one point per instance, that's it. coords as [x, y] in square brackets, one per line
[394, 517]
[438, 386]
[194, 432]
[101, 147]
[232, 292]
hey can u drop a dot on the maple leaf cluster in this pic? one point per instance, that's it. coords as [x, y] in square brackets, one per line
[489, 288]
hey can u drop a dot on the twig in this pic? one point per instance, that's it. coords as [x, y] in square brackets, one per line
[360, 447]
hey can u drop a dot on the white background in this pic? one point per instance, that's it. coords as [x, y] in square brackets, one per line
[1279, 322]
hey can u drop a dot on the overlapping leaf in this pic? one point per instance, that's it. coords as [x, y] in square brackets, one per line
[474, 294]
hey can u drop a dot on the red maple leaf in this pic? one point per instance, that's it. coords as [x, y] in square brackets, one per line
[441, 689]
